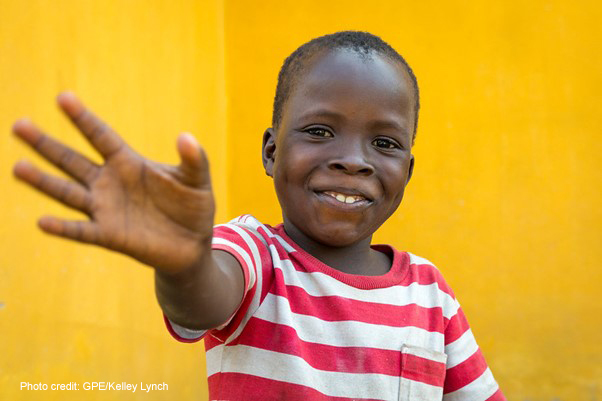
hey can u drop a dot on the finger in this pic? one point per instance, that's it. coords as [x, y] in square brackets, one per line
[65, 158]
[82, 231]
[67, 192]
[194, 166]
[100, 135]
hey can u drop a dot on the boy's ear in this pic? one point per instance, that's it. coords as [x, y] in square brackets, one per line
[411, 170]
[268, 151]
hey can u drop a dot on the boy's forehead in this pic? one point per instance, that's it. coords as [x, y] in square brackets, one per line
[338, 74]
[350, 64]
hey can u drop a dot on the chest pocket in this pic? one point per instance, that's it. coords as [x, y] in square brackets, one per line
[422, 374]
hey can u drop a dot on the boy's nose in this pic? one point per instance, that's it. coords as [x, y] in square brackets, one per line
[351, 160]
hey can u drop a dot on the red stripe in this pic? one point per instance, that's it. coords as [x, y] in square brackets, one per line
[242, 387]
[267, 273]
[311, 264]
[211, 342]
[465, 372]
[497, 396]
[456, 327]
[422, 370]
[284, 339]
[421, 274]
[426, 274]
[336, 308]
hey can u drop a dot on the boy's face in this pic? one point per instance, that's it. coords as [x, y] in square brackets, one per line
[341, 156]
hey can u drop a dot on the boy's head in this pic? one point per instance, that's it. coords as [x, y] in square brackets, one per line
[340, 147]
[362, 43]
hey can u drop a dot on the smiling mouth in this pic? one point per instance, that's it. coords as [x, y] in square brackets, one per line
[344, 198]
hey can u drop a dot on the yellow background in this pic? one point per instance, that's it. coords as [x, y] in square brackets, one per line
[505, 197]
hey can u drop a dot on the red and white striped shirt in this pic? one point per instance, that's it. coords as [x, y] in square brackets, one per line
[306, 331]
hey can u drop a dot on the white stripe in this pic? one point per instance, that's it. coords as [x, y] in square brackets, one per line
[348, 333]
[293, 369]
[258, 235]
[319, 284]
[417, 260]
[213, 358]
[424, 353]
[250, 229]
[410, 390]
[253, 224]
[479, 390]
[246, 220]
[287, 247]
[461, 349]
[183, 332]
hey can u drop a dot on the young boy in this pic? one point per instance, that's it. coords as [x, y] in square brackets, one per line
[308, 309]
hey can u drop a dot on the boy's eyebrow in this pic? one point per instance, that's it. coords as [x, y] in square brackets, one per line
[388, 124]
[391, 124]
[322, 113]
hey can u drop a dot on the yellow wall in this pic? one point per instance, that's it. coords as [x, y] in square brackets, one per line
[76, 313]
[505, 196]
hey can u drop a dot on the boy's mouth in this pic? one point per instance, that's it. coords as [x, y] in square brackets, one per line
[345, 198]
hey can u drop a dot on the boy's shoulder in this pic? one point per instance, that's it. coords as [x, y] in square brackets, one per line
[425, 272]
[251, 225]
[420, 261]
[419, 269]
[251, 237]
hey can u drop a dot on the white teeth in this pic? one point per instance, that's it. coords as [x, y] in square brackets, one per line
[345, 198]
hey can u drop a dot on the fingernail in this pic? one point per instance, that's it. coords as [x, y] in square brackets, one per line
[20, 122]
[189, 136]
[66, 94]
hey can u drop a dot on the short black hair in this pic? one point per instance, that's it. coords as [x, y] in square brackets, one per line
[363, 43]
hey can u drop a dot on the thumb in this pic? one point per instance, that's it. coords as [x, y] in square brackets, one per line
[194, 166]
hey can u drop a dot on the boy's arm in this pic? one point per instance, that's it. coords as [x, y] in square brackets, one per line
[467, 375]
[198, 298]
[159, 214]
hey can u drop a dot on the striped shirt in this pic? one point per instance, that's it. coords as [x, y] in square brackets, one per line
[306, 331]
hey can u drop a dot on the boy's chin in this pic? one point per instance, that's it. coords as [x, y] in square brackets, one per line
[340, 238]
[328, 231]
[340, 242]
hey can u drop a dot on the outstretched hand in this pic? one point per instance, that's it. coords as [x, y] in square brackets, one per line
[160, 214]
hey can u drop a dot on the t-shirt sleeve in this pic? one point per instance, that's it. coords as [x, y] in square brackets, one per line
[245, 239]
[467, 375]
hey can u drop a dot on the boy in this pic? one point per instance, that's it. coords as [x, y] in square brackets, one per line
[308, 309]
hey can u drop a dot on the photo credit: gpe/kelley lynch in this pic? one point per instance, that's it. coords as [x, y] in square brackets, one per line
[94, 385]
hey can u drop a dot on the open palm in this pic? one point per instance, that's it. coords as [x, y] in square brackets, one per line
[159, 214]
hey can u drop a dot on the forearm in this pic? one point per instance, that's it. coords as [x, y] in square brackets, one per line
[203, 296]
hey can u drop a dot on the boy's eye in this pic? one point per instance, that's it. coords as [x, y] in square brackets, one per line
[321, 132]
[385, 143]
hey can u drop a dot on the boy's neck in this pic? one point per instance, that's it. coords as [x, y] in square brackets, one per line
[358, 258]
